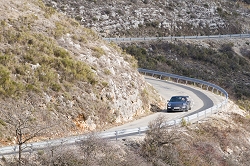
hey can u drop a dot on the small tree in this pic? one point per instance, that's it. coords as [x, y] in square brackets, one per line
[24, 126]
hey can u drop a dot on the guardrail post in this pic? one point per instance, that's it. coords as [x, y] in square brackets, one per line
[139, 130]
[31, 148]
[160, 77]
[116, 135]
[198, 117]
[177, 80]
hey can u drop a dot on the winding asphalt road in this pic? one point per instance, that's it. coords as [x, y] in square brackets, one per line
[201, 100]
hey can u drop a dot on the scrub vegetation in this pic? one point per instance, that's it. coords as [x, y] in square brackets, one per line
[218, 63]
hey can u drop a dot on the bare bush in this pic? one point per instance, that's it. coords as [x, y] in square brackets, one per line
[159, 143]
[97, 151]
[23, 125]
[59, 156]
[245, 52]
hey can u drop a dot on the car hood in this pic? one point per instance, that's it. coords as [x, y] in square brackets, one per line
[176, 103]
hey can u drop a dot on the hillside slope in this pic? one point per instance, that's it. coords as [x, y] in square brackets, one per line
[223, 62]
[55, 72]
[59, 74]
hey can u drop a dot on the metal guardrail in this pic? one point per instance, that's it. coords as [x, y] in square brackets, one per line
[30, 147]
[177, 37]
[202, 114]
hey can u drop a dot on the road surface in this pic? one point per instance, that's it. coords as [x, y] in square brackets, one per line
[201, 100]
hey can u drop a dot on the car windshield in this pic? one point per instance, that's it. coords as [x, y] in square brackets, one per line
[177, 99]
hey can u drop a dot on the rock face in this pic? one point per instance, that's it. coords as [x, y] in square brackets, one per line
[157, 18]
[57, 71]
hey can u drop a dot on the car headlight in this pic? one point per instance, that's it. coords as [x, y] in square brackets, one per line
[169, 104]
[184, 105]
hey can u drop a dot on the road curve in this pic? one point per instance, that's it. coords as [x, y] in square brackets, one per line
[201, 100]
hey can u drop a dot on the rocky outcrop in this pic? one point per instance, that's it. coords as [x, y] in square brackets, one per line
[157, 18]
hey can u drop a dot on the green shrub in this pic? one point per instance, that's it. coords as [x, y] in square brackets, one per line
[107, 11]
[4, 75]
[219, 9]
[206, 5]
[98, 52]
[3, 23]
[49, 11]
[153, 24]
[29, 58]
[2, 122]
[107, 72]
[33, 87]
[8, 87]
[56, 87]
[61, 52]
[91, 34]
[244, 104]
[61, 29]
[40, 152]
[46, 74]
[78, 18]
[105, 84]
[6, 59]
[184, 123]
